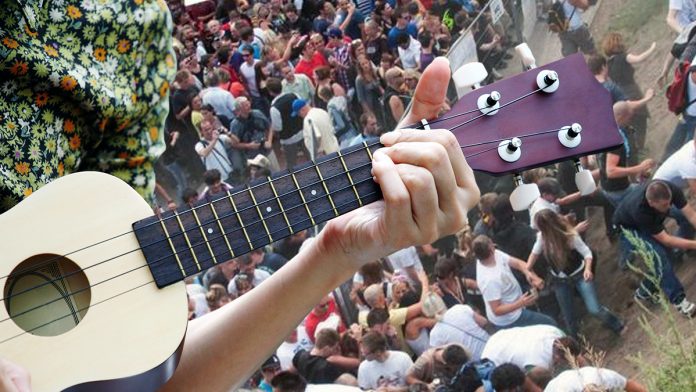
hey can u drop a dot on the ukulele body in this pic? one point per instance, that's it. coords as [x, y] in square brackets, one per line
[96, 319]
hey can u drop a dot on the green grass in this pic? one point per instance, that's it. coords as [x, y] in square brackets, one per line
[673, 368]
[636, 15]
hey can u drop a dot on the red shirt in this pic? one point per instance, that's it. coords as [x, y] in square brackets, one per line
[307, 67]
[313, 320]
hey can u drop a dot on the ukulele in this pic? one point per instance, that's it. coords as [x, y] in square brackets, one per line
[94, 299]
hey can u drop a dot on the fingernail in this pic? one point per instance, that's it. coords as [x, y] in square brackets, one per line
[390, 137]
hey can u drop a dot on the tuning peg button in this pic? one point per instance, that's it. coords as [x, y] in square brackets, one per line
[489, 104]
[524, 195]
[584, 179]
[548, 81]
[569, 136]
[510, 150]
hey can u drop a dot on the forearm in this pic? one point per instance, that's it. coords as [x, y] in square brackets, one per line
[671, 241]
[572, 198]
[620, 172]
[502, 309]
[672, 21]
[212, 343]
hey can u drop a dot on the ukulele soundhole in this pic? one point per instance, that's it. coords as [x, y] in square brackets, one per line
[47, 295]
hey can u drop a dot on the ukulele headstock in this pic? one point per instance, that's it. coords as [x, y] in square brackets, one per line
[529, 126]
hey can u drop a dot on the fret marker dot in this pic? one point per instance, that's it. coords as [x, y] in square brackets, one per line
[268, 209]
[314, 192]
[210, 231]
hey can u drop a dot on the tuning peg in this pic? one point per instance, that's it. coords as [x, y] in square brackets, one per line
[525, 53]
[547, 81]
[489, 104]
[510, 150]
[524, 195]
[469, 76]
[569, 136]
[583, 179]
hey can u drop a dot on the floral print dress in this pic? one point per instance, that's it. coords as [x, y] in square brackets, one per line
[84, 85]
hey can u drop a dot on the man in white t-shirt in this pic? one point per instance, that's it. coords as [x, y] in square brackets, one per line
[319, 136]
[212, 148]
[460, 324]
[526, 347]
[382, 369]
[680, 167]
[408, 263]
[506, 306]
[577, 380]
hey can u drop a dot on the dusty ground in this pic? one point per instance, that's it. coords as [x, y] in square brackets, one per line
[641, 22]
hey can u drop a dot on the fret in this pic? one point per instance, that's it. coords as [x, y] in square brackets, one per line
[188, 242]
[239, 218]
[258, 210]
[326, 189]
[222, 230]
[304, 202]
[171, 245]
[205, 237]
[280, 205]
[367, 148]
[350, 178]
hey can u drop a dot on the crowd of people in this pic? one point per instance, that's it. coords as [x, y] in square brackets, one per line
[263, 86]
[266, 85]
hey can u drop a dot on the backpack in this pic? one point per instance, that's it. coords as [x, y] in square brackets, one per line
[676, 91]
[483, 368]
[556, 17]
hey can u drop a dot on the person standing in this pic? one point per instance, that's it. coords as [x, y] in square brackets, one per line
[318, 131]
[576, 37]
[570, 261]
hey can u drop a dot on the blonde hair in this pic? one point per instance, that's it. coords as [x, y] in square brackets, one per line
[613, 44]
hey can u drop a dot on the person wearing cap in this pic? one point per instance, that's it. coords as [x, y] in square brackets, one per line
[287, 127]
[258, 167]
[269, 369]
[317, 128]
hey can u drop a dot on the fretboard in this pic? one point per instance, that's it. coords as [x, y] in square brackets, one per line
[181, 243]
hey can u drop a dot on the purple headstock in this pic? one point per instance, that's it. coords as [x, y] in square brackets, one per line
[578, 99]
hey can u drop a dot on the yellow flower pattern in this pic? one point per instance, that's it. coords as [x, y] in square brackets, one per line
[72, 81]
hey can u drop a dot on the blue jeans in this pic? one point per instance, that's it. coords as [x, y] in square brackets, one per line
[683, 132]
[615, 197]
[686, 230]
[563, 288]
[530, 317]
[668, 281]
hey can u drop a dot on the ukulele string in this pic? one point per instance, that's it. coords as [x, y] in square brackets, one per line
[243, 227]
[51, 260]
[124, 292]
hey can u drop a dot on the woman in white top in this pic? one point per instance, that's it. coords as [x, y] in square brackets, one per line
[570, 262]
